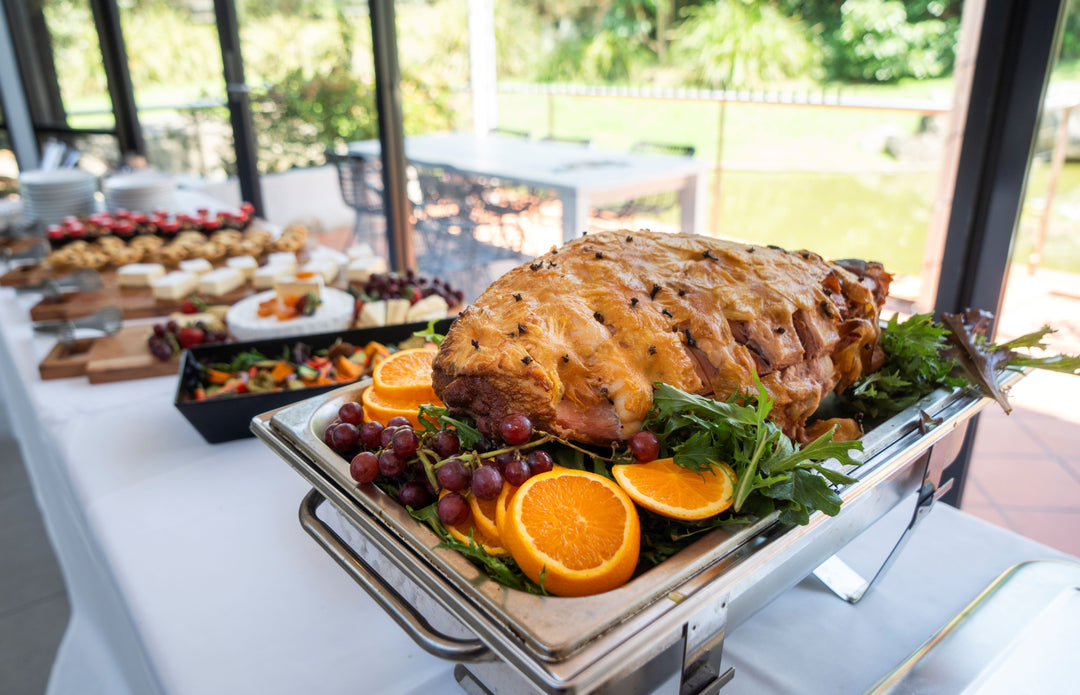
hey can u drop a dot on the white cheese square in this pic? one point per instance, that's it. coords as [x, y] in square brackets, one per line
[327, 268]
[175, 285]
[265, 277]
[139, 274]
[359, 251]
[396, 311]
[373, 314]
[430, 307]
[282, 258]
[220, 281]
[198, 266]
[360, 269]
[245, 264]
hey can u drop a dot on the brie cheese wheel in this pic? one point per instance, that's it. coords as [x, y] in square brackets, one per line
[139, 274]
[198, 266]
[175, 285]
[360, 269]
[335, 313]
[220, 281]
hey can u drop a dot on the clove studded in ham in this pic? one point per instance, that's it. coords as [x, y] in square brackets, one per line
[576, 339]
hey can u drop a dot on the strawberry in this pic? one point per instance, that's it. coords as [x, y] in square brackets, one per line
[189, 336]
[188, 307]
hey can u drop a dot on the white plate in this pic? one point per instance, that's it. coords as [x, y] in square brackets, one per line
[334, 314]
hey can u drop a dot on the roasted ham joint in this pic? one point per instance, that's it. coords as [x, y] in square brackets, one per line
[577, 338]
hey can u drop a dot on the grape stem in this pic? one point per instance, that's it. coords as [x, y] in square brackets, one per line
[510, 449]
[429, 468]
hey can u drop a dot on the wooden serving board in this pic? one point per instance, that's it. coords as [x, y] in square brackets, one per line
[118, 357]
[134, 302]
[27, 274]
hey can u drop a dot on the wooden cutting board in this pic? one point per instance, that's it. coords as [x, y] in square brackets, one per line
[27, 274]
[118, 357]
[133, 302]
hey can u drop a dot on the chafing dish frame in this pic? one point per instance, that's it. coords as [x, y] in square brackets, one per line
[664, 630]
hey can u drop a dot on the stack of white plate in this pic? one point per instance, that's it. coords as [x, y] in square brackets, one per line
[141, 191]
[51, 195]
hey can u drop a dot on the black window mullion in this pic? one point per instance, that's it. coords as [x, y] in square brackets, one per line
[114, 56]
[1017, 48]
[239, 101]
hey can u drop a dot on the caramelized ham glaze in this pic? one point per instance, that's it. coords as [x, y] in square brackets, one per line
[576, 339]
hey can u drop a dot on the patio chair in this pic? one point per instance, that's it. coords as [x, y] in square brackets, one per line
[360, 179]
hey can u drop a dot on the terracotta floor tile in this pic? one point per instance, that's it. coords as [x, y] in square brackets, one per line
[974, 494]
[1013, 480]
[1060, 530]
[987, 513]
[1001, 434]
[1057, 435]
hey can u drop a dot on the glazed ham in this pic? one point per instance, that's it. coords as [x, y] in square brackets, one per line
[576, 339]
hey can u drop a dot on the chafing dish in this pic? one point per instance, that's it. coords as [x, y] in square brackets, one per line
[661, 632]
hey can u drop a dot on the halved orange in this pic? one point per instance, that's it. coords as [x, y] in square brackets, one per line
[380, 408]
[670, 490]
[461, 532]
[406, 376]
[575, 532]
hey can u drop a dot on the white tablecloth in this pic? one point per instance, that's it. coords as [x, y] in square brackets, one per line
[189, 573]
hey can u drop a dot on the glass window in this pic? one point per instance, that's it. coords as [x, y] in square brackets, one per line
[76, 60]
[174, 58]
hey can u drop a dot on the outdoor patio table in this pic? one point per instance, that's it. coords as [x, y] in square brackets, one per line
[583, 177]
[188, 571]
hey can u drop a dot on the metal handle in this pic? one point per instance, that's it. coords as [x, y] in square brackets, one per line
[414, 624]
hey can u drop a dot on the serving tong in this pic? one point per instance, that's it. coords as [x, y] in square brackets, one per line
[34, 254]
[54, 288]
[106, 321]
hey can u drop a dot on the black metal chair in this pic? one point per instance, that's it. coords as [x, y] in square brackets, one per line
[360, 179]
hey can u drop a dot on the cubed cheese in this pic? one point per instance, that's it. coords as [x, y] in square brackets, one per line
[175, 285]
[282, 258]
[220, 281]
[396, 310]
[265, 277]
[139, 274]
[430, 307]
[360, 269]
[298, 285]
[245, 264]
[373, 314]
[327, 267]
[197, 266]
[359, 251]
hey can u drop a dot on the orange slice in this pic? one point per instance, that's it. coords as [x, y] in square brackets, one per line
[502, 504]
[578, 530]
[406, 376]
[461, 532]
[483, 514]
[670, 490]
[380, 408]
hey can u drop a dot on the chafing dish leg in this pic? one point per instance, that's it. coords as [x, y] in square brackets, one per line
[848, 584]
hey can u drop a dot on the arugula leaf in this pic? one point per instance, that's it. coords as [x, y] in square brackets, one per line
[467, 433]
[429, 333]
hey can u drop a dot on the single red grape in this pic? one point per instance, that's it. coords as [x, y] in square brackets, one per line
[487, 482]
[644, 446]
[453, 509]
[501, 460]
[370, 433]
[446, 443]
[405, 442]
[515, 429]
[540, 461]
[517, 472]
[398, 421]
[329, 433]
[352, 413]
[387, 435]
[414, 494]
[453, 474]
[390, 464]
[344, 437]
[364, 467]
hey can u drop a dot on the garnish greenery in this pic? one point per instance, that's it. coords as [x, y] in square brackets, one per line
[922, 354]
[772, 472]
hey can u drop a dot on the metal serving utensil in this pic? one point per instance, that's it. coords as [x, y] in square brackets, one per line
[107, 321]
[54, 288]
[34, 254]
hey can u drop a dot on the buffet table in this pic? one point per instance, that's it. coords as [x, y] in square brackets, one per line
[188, 571]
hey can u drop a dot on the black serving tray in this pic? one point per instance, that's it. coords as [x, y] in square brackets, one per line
[225, 419]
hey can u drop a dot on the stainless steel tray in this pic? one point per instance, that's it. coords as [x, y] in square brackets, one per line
[672, 617]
